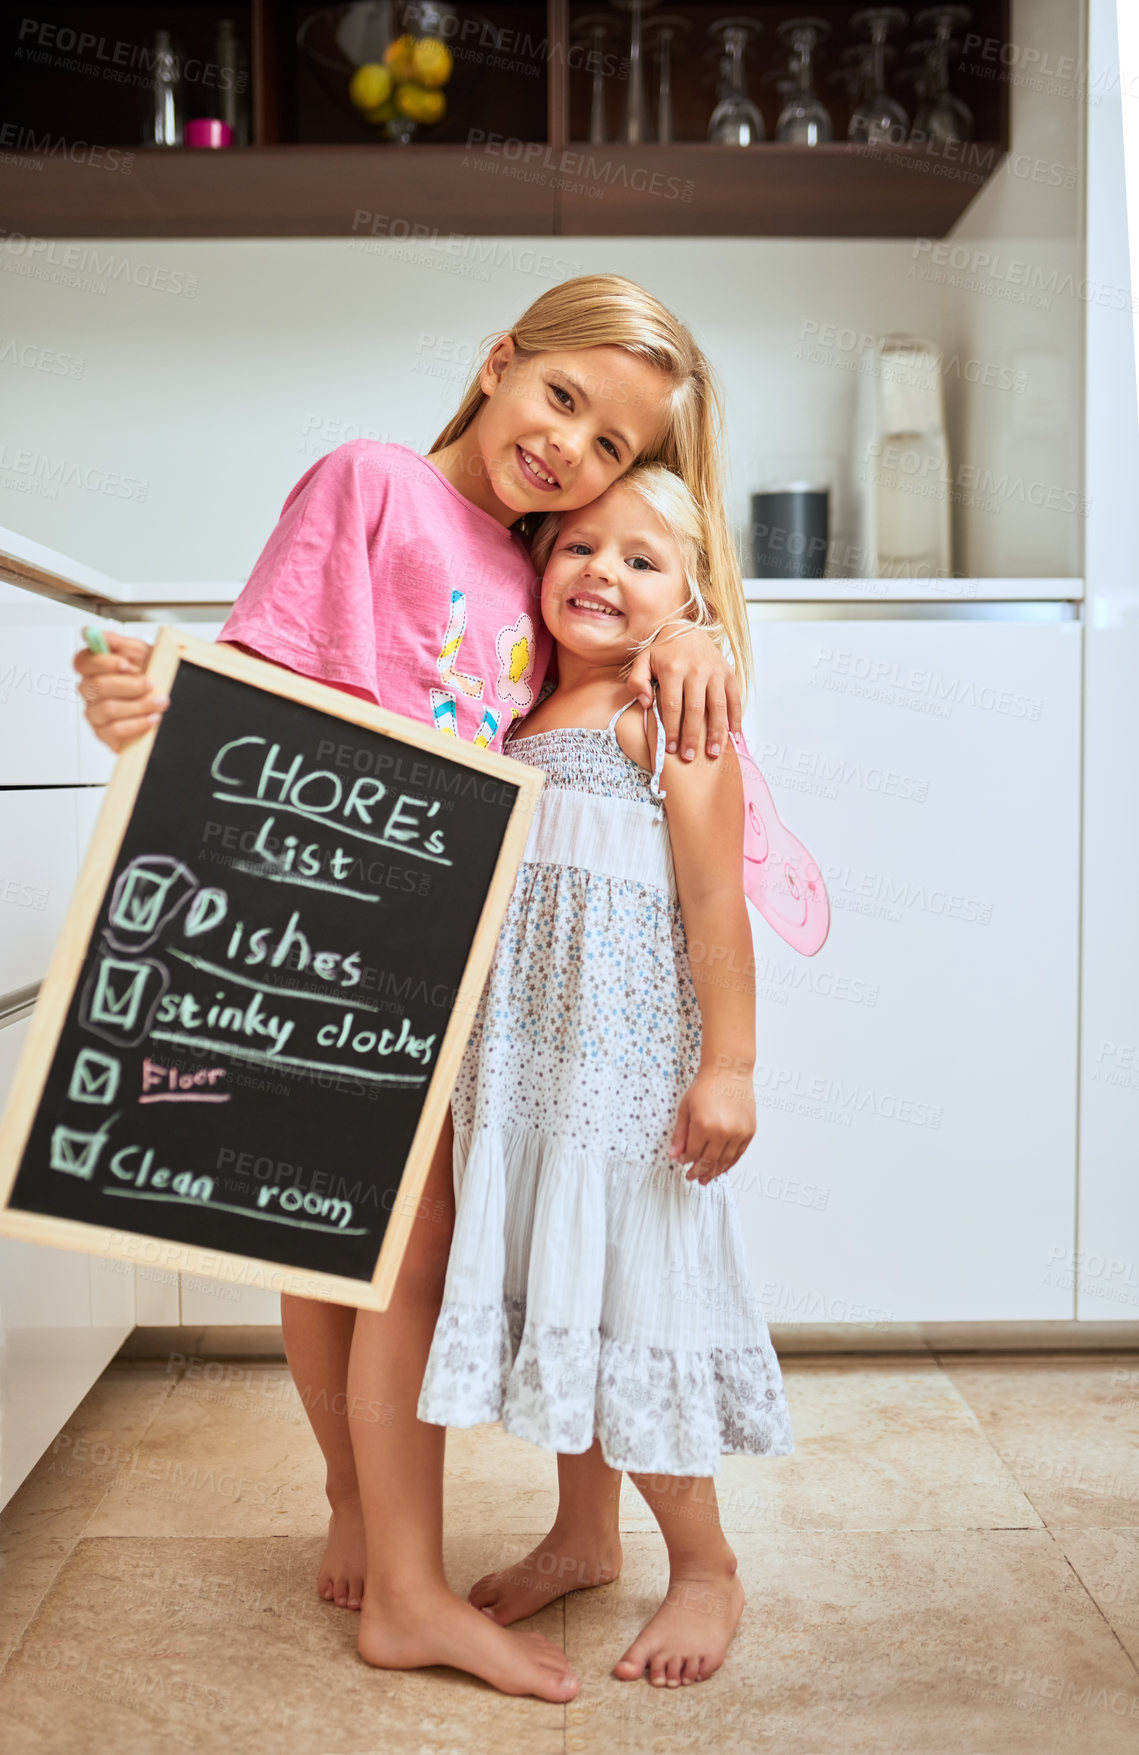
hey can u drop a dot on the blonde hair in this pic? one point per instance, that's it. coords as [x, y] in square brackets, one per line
[606, 310]
[715, 604]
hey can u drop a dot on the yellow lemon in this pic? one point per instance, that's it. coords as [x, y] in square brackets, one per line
[419, 104]
[398, 57]
[432, 61]
[383, 113]
[370, 86]
[433, 107]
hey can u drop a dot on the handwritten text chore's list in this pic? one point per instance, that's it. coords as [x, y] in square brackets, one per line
[270, 976]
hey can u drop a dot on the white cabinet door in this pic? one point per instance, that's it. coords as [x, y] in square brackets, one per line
[916, 1080]
[39, 706]
[1105, 1261]
[211, 1303]
[63, 1316]
[38, 867]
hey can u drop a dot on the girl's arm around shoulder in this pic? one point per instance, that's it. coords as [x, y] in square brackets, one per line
[699, 695]
[704, 804]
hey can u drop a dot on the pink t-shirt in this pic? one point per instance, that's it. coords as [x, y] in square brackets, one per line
[381, 579]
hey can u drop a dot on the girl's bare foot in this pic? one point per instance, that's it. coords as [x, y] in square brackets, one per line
[687, 1638]
[565, 1560]
[411, 1632]
[341, 1577]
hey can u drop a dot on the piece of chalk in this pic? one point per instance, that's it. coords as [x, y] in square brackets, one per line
[96, 640]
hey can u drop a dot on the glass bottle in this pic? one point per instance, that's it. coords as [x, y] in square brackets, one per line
[233, 81]
[636, 129]
[591, 34]
[164, 110]
[663, 32]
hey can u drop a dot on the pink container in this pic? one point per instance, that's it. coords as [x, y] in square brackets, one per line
[207, 131]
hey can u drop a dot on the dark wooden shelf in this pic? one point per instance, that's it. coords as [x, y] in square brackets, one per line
[277, 192]
[771, 191]
[577, 191]
[284, 186]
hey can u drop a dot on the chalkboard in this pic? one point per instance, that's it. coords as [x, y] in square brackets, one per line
[244, 1048]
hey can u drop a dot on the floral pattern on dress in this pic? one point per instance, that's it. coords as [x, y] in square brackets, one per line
[592, 1289]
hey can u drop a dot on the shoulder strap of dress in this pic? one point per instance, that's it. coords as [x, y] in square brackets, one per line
[611, 728]
[655, 786]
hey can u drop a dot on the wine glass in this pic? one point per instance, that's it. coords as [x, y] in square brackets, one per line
[853, 71]
[879, 119]
[663, 32]
[637, 128]
[943, 117]
[735, 121]
[804, 119]
[591, 33]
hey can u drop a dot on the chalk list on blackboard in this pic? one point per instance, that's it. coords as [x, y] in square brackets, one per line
[255, 1020]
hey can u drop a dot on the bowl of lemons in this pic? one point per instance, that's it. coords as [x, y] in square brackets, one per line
[391, 61]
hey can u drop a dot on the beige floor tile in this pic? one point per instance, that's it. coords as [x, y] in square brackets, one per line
[51, 1509]
[201, 1645]
[1067, 1428]
[872, 1643]
[231, 1454]
[880, 1444]
[1107, 1563]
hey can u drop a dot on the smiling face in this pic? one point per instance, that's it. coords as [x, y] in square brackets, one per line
[558, 428]
[614, 574]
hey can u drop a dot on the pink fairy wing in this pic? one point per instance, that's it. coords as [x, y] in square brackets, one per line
[780, 877]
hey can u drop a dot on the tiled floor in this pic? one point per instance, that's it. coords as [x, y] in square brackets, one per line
[947, 1565]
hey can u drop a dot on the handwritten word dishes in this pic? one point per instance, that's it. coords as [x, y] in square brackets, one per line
[271, 974]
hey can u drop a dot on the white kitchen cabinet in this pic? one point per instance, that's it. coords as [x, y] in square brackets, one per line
[38, 867]
[213, 1303]
[1104, 1263]
[63, 1316]
[916, 1079]
[39, 705]
[96, 761]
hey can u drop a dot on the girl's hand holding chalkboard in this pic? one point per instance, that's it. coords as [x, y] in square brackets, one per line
[119, 701]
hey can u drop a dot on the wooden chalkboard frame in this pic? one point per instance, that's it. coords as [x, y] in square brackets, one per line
[172, 649]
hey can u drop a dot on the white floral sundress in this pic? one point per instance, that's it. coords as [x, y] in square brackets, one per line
[591, 1289]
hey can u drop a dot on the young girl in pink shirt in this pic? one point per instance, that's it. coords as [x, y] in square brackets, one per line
[407, 580]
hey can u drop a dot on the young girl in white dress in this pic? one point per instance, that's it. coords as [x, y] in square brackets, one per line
[597, 1297]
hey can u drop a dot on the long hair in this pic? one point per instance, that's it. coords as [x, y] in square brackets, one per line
[715, 603]
[606, 310]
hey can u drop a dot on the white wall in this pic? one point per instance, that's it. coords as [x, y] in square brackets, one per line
[1019, 305]
[219, 402]
[212, 405]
